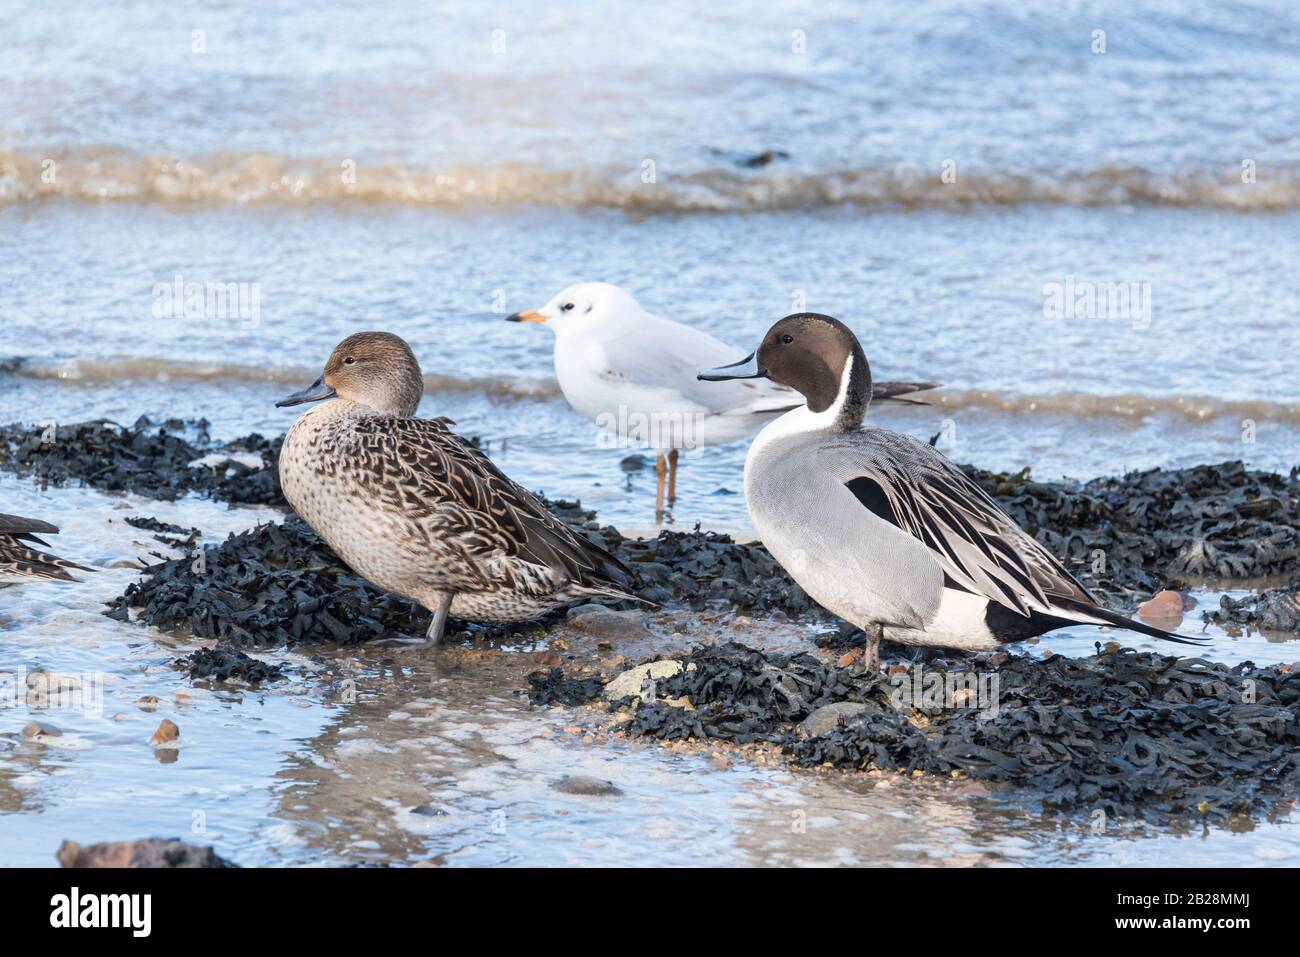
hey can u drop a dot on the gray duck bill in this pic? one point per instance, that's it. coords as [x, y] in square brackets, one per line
[746, 368]
[313, 393]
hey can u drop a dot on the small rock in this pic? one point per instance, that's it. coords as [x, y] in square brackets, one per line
[167, 732]
[606, 622]
[428, 810]
[827, 717]
[628, 684]
[589, 787]
[35, 730]
[148, 852]
[1164, 610]
[759, 160]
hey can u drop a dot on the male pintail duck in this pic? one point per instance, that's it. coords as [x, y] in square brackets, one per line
[633, 374]
[879, 527]
[20, 562]
[420, 512]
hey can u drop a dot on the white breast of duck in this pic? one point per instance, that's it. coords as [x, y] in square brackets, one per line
[847, 558]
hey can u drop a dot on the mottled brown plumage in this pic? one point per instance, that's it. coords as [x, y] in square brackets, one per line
[418, 510]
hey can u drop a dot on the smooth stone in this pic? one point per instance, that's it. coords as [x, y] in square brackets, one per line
[34, 730]
[825, 718]
[606, 622]
[590, 787]
[151, 852]
[628, 684]
[166, 734]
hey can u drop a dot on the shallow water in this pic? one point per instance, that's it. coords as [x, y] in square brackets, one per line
[329, 766]
[1078, 398]
[492, 170]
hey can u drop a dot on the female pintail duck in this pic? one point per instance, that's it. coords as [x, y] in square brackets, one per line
[879, 527]
[20, 562]
[419, 511]
[633, 374]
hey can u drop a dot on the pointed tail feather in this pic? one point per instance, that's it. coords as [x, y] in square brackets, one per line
[615, 593]
[1099, 614]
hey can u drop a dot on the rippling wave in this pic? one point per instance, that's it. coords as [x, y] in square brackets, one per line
[96, 372]
[112, 175]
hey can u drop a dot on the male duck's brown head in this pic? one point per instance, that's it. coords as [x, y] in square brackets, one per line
[373, 369]
[819, 357]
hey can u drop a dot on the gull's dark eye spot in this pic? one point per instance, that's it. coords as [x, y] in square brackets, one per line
[349, 360]
[787, 338]
[567, 306]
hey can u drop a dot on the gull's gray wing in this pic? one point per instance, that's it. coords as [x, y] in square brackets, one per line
[668, 356]
[978, 546]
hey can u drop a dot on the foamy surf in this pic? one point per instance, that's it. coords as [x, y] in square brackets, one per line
[97, 372]
[1084, 405]
[113, 175]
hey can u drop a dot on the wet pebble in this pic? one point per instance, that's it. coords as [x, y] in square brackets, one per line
[586, 786]
[629, 683]
[36, 730]
[1164, 610]
[165, 735]
[826, 718]
[151, 852]
[606, 622]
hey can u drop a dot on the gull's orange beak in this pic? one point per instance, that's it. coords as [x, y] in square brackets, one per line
[526, 316]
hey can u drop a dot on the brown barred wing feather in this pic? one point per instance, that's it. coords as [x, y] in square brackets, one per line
[430, 471]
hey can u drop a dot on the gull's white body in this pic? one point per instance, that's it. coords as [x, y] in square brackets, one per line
[634, 374]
